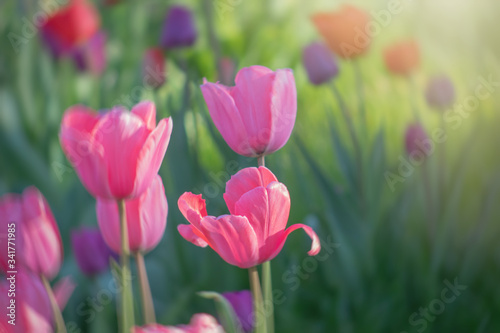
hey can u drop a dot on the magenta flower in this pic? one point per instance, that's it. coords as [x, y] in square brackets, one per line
[179, 29]
[440, 93]
[146, 219]
[255, 117]
[200, 323]
[416, 139]
[91, 252]
[91, 56]
[242, 304]
[255, 231]
[116, 154]
[320, 64]
[38, 242]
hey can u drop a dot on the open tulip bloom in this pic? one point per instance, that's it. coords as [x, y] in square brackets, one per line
[255, 117]
[255, 231]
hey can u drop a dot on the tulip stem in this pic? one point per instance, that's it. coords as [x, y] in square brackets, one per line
[268, 295]
[261, 161]
[127, 306]
[58, 318]
[147, 300]
[258, 304]
[361, 94]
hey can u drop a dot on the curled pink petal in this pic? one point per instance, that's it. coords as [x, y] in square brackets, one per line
[146, 110]
[191, 234]
[193, 208]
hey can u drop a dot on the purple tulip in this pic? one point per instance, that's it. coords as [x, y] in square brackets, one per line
[417, 140]
[91, 56]
[440, 93]
[178, 28]
[242, 303]
[91, 252]
[320, 64]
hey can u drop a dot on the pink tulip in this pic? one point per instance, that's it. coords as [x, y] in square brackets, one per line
[200, 323]
[146, 219]
[417, 141]
[256, 116]
[153, 68]
[33, 312]
[255, 231]
[116, 154]
[38, 244]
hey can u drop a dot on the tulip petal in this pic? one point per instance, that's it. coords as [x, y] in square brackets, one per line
[191, 234]
[274, 244]
[109, 223]
[193, 207]
[283, 109]
[151, 155]
[63, 290]
[244, 181]
[233, 238]
[254, 205]
[115, 131]
[146, 110]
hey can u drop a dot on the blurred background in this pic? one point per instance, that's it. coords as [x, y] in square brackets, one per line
[396, 232]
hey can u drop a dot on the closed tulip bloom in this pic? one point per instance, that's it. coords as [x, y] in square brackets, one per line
[178, 29]
[70, 27]
[345, 30]
[146, 219]
[91, 56]
[320, 64]
[91, 252]
[153, 68]
[116, 154]
[33, 312]
[227, 71]
[38, 242]
[416, 140]
[255, 117]
[440, 93]
[200, 323]
[242, 304]
[255, 231]
[402, 58]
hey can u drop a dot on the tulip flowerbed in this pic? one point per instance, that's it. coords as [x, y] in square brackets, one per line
[130, 129]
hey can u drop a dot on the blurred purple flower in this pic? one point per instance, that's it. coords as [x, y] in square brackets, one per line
[242, 304]
[416, 140]
[91, 56]
[440, 93]
[91, 252]
[320, 64]
[178, 28]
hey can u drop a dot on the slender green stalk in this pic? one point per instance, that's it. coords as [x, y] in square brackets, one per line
[427, 191]
[127, 306]
[58, 318]
[413, 99]
[148, 309]
[361, 94]
[442, 166]
[267, 281]
[258, 304]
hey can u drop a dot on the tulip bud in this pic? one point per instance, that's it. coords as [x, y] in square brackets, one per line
[146, 219]
[320, 63]
[417, 141]
[178, 29]
[91, 252]
[402, 58]
[242, 304]
[227, 68]
[91, 56]
[440, 93]
[153, 68]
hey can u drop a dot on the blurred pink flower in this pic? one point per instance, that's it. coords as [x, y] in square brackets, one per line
[415, 140]
[37, 240]
[70, 27]
[153, 67]
[227, 69]
[146, 219]
[116, 154]
[200, 323]
[91, 56]
[255, 117]
[440, 92]
[255, 231]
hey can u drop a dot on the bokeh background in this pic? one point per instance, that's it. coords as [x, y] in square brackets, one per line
[383, 267]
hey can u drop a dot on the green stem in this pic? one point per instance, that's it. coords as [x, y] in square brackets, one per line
[268, 295]
[147, 300]
[258, 304]
[58, 318]
[361, 94]
[127, 306]
[426, 182]
[261, 161]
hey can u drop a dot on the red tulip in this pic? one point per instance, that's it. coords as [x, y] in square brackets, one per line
[38, 245]
[116, 154]
[33, 312]
[403, 57]
[255, 231]
[70, 27]
[255, 117]
[200, 323]
[153, 67]
[146, 219]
